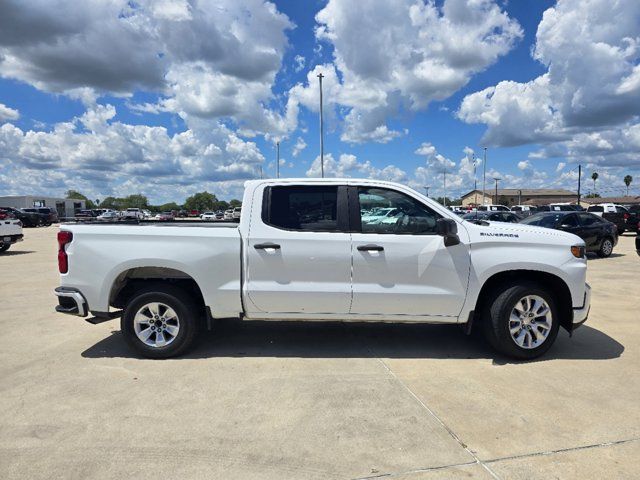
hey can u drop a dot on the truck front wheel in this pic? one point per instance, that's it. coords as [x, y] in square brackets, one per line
[521, 321]
[160, 321]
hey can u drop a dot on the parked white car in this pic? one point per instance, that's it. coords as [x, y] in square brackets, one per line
[209, 216]
[228, 214]
[10, 232]
[493, 208]
[302, 251]
[237, 212]
[109, 216]
[380, 215]
[523, 208]
[133, 213]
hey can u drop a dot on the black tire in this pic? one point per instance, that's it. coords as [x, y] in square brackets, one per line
[181, 302]
[496, 314]
[606, 248]
[4, 247]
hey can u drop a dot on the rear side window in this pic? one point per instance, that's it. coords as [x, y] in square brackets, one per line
[595, 208]
[303, 208]
[587, 219]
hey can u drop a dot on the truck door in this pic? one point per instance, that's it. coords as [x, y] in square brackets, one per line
[299, 252]
[400, 265]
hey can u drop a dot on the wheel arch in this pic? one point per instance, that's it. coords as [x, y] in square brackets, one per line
[128, 282]
[555, 285]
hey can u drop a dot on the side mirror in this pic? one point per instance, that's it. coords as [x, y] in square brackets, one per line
[448, 229]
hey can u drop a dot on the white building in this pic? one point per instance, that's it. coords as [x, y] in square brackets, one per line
[66, 207]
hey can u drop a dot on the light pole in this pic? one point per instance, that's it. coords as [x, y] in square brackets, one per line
[320, 77]
[496, 179]
[277, 159]
[484, 174]
[427, 187]
[444, 185]
[475, 180]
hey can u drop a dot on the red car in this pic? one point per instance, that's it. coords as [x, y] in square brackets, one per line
[193, 213]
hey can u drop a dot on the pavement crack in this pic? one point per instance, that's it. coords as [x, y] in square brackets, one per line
[416, 470]
[441, 422]
[563, 450]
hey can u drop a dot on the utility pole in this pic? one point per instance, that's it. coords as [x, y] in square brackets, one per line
[444, 182]
[427, 187]
[484, 174]
[475, 180]
[579, 179]
[277, 159]
[260, 172]
[496, 179]
[320, 77]
[519, 197]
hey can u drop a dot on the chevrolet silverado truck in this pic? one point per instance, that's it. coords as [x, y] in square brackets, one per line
[304, 250]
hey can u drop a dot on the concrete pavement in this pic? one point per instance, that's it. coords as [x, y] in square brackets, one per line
[279, 400]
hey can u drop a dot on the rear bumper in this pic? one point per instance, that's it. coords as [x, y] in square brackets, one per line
[580, 314]
[9, 239]
[71, 302]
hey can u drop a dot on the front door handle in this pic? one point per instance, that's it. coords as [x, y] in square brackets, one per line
[264, 246]
[370, 248]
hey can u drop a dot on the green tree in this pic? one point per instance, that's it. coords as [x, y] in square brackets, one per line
[235, 203]
[75, 195]
[627, 181]
[200, 201]
[110, 202]
[167, 207]
[221, 205]
[594, 177]
[134, 201]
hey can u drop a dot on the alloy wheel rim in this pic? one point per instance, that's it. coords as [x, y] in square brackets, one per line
[156, 324]
[530, 321]
[607, 247]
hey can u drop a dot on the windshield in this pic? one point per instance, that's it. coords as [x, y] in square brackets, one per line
[543, 220]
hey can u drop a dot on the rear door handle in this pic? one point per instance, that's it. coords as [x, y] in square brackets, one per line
[370, 248]
[264, 246]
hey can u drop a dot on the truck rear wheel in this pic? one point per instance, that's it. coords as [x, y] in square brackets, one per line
[521, 321]
[4, 247]
[160, 321]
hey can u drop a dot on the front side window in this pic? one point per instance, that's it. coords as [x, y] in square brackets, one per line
[570, 220]
[391, 212]
[303, 208]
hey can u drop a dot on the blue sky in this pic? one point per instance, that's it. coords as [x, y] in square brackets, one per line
[167, 98]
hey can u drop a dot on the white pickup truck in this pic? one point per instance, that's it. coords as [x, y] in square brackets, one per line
[303, 250]
[10, 231]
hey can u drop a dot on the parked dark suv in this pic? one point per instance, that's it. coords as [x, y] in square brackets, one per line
[599, 235]
[28, 219]
[48, 215]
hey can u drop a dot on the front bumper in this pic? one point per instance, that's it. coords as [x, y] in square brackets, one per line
[71, 302]
[580, 314]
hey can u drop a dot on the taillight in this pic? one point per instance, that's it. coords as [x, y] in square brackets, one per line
[3, 216]
[64, 238]
[626, 216]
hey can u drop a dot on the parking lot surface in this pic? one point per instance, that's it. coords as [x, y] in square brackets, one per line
[289, 400]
